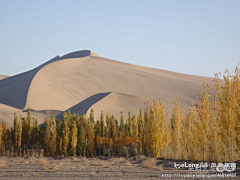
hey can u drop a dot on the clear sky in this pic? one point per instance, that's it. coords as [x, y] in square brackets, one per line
[198, 37]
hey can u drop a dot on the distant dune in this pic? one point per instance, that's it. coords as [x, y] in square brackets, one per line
[7, 114]
[83, 80]
[3, 77]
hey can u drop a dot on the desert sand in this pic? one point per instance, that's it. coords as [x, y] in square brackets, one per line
[75, 81]
[7, 114]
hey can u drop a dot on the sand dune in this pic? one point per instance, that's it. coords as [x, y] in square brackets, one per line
[7, 114]
[64, 83]
[3, 77]
[111, 102]
[68, 81]
[114, 103]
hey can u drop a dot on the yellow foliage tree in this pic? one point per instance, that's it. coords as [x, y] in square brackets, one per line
[20, 133]
[1, 134]
[176, 130]
[162, 135]
[90, 137]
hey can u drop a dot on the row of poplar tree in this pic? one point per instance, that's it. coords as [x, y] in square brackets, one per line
[210, 131]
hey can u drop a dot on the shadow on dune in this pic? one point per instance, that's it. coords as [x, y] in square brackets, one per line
[84, 105]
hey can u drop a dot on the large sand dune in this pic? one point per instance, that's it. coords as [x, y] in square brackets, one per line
[76, 80]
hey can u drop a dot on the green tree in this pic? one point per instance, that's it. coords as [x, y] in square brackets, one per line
[102, 126]
[65, 134]
[47, 136]
[130, 124]
[53, 135]
[121, 128]
[74, 138]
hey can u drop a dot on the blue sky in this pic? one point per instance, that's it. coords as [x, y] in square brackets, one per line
[186, 36]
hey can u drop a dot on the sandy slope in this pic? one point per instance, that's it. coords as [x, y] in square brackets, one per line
[114, 103]
[64, 82]
[111, 102]
[7, 114]
[3, 77]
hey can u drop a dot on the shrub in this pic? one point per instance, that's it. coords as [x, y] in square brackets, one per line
[149, 163]
[2, 162]
[43, 162]
[133, 149]
[124, 151]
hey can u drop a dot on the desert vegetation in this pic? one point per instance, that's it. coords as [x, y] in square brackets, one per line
[210, 131]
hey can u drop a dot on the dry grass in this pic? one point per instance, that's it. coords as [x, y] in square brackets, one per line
[141, 157]
[55, 165]
[3, 162]
[11, 159]
[26, 161]
[32, 159]
[160, 167]
[93, 168]
[113, 161]
[79, 166]
[93, 173]
[43, 162]
[106, 164]
[84, 159]
[127, 163]
[18, 159]
[149, 163]
[74, 159]
[96, 163]
[124, 151]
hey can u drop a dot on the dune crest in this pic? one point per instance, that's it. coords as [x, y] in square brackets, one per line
[14, 90]
[94, 54]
